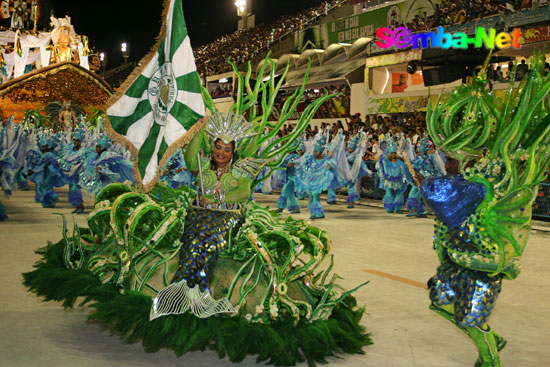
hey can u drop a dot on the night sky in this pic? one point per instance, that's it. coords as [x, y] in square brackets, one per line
[108, 23]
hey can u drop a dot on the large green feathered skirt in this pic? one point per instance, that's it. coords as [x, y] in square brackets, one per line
[287, 310]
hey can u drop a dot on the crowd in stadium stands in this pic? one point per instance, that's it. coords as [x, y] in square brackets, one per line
[222, 90]
[460, 12]
[497, 73]
[407, 124]
[243, 45]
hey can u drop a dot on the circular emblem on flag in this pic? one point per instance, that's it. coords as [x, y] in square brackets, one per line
[162, 92]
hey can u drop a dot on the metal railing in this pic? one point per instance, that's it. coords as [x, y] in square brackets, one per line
[541, 206]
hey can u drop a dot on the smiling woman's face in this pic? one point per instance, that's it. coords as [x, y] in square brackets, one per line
[223, 153]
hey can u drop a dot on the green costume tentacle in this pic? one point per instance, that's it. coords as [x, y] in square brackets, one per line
[506, 144]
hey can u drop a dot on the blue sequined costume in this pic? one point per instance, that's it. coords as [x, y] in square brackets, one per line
[473, 293]
[206, 235]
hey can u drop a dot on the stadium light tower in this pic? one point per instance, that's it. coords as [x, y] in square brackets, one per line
[244, 11]
[125, 48]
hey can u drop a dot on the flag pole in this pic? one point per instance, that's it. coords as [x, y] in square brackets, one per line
[200, 177]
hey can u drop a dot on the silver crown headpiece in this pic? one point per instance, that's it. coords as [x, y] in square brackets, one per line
[229, 127]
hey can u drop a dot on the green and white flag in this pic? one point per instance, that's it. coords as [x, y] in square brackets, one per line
[158, 107]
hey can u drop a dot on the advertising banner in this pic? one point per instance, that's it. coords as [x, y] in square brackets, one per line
[398, 104]
[365, 25]
[536, 34]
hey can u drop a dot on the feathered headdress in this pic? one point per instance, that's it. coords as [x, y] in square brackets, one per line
[104, 141]
[320, 144]
[301, 147]
[424, 145]
[392, 147]
[352, 142]
[42, 139]
[79, 134]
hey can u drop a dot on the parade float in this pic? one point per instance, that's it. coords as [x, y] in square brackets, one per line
[50, 72]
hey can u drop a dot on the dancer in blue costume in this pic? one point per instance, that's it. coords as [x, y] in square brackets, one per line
[7, 166]
[315, 177]
[20, 154]
[335, 151]
[72, 159]
[44, 170]
[104, 167]
[426, 165]
[175, 172]
[393, 178]
[357, 147]
[288, 193]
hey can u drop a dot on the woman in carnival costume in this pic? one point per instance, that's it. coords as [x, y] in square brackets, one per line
[103, 167]
[484, 214]
[392, 178]
[427, 164]
[288, 193]
[314, 177]
[44, 170]
[71, 160]
[186, 270]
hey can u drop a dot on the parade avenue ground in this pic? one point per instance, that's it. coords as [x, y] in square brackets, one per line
[391, 251]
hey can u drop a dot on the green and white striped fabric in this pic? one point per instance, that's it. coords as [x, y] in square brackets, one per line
[164, 101]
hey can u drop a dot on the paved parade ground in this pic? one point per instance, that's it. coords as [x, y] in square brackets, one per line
[391, 251]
